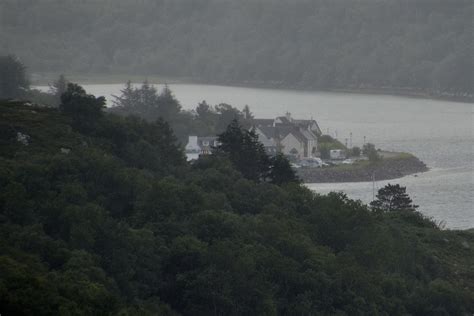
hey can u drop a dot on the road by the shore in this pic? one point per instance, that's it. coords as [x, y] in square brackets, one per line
[392, 166]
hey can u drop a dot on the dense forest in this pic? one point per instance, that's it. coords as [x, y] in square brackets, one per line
[400, 45]
[100, 214]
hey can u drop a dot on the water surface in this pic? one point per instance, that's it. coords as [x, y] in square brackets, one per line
[441, 133]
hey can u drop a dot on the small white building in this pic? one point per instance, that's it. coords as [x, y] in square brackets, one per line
[197, 146]
[337, 154]
[192, 145]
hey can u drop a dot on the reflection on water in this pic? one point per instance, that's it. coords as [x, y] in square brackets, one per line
[441, 133]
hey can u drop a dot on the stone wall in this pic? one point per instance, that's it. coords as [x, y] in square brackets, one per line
[386, 169]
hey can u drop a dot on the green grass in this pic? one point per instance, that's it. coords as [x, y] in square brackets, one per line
[397, 155]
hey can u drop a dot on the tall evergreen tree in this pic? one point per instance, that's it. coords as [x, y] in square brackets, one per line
[128, 97]
[58, 88]
[245, 151]
[393, 198]
[169, 106]
[84, 109]
[147, 103]
[13, 80]
[281, 171]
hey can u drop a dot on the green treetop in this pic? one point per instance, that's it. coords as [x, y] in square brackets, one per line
[393, 198]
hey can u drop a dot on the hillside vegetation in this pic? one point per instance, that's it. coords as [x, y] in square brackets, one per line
[398, 45]
[103, 216]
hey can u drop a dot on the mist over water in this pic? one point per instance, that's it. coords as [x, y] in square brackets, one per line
[440, 133]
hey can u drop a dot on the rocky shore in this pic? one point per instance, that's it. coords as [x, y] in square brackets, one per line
[386, 169]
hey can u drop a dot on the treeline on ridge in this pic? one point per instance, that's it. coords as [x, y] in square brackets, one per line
[403, 45]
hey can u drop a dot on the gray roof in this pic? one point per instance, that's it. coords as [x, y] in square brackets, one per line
[284, 120]
[268, 131]
[262, 122]
[308, 134]
[286, 130]
[208, 138]
[281, 131]
[301, 129]
[306, 123]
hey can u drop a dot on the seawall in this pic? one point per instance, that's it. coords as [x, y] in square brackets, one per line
[386, 169]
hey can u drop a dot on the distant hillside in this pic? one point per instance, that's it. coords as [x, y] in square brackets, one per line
[405, 46]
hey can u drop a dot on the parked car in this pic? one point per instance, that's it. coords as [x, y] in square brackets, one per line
[311, 162]
[348, 162]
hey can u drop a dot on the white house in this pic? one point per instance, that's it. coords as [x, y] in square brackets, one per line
[200, 146]
[297, 138]
[192, 145]
[287, 120]
[293, 145]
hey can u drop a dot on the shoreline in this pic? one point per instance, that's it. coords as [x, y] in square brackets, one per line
[387, 169]
[398, 92]
[94, 78]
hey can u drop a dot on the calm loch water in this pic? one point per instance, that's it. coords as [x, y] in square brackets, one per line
[441, 133]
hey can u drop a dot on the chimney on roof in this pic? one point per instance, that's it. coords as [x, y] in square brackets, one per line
[288, 116]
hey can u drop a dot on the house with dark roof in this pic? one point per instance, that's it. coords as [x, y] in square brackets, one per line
[287, 120]
[296, 138]
[263, 122]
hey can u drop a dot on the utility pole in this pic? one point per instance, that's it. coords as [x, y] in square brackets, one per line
[350, 142]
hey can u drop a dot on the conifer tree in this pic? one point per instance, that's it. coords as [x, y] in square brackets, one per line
[393, 198]
[58, 88]
[13, 80]
[281, 171]
[128, 97]
[245, 151]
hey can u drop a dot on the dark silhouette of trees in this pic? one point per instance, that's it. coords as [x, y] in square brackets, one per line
[58, 88]
[355, 151]
[393, 198]
[401, 45]
[281, 171]
[121, 225]
[85, 109]
[371, 153]
[247, 154]
[147, 103]
[13, 79]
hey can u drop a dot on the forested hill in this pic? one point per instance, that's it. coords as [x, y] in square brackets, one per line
[101, 215]
[416, 45]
